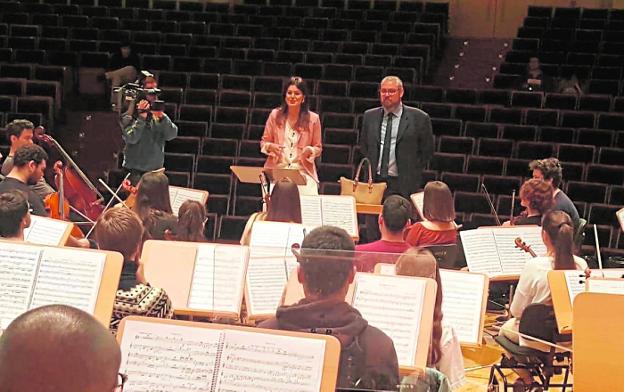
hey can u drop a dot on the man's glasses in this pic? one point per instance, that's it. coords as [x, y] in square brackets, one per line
[388, 91]
[121, 381]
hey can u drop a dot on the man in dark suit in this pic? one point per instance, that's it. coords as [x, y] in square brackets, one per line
[397, 157]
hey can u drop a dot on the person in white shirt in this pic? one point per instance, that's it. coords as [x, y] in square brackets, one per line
[558, 236]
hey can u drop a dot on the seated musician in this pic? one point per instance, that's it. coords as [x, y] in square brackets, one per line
[14, 215]
[19, 133]
[445, 351]
[120, 230]
[284, 205]
[393, 221]
[59, 348]
[550, 170]
[533, 287]
[153, 203]
[536, 196]
[368, 359]
[29, 163]
[438, 226]
[191, 223]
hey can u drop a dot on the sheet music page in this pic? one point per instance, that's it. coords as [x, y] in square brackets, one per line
[179, 195]
[394, 305]
[575, 281]
[163, 357]
[462, 302]
[418, 199]
[617, 273]
[606, 286]
[311, 210]
[266, 279]
[531, 235]
[512, 259]
[269, 239]
[480, 250]
[69, 277]
[18, 267]
[339, 211]
[45, 231]
[258, 362]
[218, 278]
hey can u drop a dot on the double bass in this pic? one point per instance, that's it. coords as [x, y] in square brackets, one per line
[73, 184]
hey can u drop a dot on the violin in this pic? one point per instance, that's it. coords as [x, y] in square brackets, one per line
[77, 188]
[523, 245]
[132, 190]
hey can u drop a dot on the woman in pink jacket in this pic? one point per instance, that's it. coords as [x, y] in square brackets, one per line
[292, 135]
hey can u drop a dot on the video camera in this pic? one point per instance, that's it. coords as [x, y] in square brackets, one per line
[130, 94]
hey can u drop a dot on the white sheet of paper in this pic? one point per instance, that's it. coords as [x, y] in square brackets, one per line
[340, 211]
[266, 279]
[218, 278]
[387, 269]
[69, 277]
[18, 268]
[575, 281]
[173, 358]
[270, 239]
[480, 250]
[394, 305]
[418, 199]
[617, 273]
[258, 362]
[45, 231]
[512, 259]
[462, 302]
[606, 286]
[311, 210]
[179, 195]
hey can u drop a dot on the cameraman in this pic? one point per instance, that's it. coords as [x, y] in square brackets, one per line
[145, 129]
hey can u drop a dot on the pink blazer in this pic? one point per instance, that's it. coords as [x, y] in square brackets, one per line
[308, 137]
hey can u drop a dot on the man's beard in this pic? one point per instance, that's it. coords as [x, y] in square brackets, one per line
[32, 180]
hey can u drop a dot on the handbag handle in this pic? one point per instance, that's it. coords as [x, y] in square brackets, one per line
[356, 180]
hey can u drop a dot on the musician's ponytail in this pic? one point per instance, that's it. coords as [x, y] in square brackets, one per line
[560, 229]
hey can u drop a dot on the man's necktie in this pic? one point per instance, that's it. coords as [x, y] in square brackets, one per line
[385, 154]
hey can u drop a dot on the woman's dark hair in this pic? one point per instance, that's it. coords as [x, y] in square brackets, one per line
[284, 205]
[152, 192]
[304, 113]
[539, 194]
[191, 220]
[420, 262]
[560, 229]
[438, 203]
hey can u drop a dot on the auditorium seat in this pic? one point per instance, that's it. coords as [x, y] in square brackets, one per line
[227, 130]
[336, 153]
[446, 162]
[192, 128]
[603, 214]
[470, 113]
[217, 184]
[518, 167]
[38, 104]
[530, 99]
[333, 88]
[557, 134]
[231, 227]
[179, 162]
[495, 147]
[427, 93]
[219, 147]
[456, 144]
[494, 97]
[616, 194]
[611, 121]
[596, 137]
[576, 153]
[485, 165]
[470, 202]
[574, 171]
[560, 101]
[519, 132]
[214, 164]
[247, 205]
[461, 182]
[480, 130]
[338, 120]
[611, 156]
[18, 71]
[586, 191]
[439, 110]
[506, 115]
[534, 150]
[542, 117]
[597, 103]
[190, 112]
[446, 126]
[184, 145]
[461, 95]
[607, 174]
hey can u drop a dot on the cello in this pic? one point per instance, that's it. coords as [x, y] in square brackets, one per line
[82, 196]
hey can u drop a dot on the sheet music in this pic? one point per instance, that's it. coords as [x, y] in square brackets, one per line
[616, 273]
[480, 250]
[575, 281]
[418, 199]
[512, 259]
[462, 303]
[311, 210]
[218, 278]
[606, 286]
[339, 211]
[266, 279]
[18, 267]
[69, 277]
[179, 195]
[394, 305]
[258, 362]
[45, 231]
[531, 235]
[161, 357]
[270, 239]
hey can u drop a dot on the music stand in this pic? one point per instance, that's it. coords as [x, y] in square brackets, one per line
[278, 174]
[248, 174]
